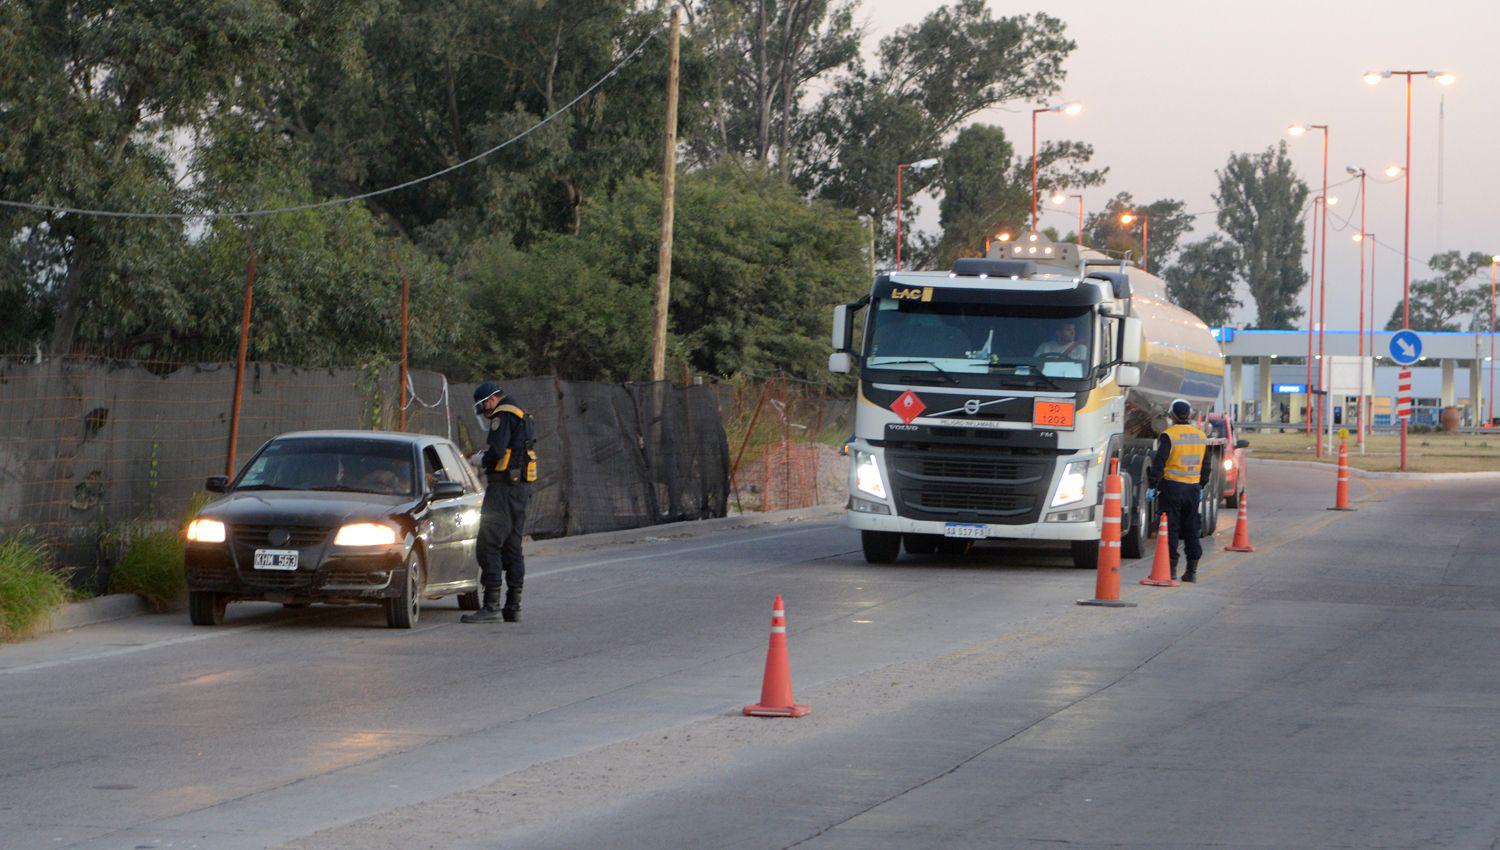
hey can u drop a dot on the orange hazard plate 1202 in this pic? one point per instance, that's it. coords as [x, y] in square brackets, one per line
[1052, 414]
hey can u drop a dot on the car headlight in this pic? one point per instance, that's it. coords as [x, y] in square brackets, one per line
[867, 475]
[1229, 463]
[1075, 479]
[202, 530]
[365, 534]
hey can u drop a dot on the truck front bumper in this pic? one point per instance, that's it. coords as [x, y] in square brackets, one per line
[1031, 531]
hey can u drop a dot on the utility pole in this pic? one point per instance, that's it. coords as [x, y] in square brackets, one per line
[239, 369]
[668, 190]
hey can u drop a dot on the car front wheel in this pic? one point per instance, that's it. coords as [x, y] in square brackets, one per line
[206, 608]
[471, 601]
[402, 612]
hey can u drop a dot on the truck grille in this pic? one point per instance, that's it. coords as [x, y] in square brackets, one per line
[986, 501]
[976, 469]
[985, 486]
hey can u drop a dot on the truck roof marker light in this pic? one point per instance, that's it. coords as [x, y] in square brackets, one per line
[1015, 277]
[984, 277]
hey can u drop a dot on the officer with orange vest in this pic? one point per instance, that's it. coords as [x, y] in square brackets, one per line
[1177, 471]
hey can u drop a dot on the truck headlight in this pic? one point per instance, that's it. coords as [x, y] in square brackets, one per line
[203, 530]
[1074, 483]
[867, 475]
[365, 534]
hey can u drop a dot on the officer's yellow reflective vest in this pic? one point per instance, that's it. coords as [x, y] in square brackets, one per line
[1185, 462]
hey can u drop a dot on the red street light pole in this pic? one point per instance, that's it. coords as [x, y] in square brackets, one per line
[1370, 240]
[919, 165]
[1072, 108]
[1373, 78]
[1298, 130]
[1312, 314]
[1127, 218]
[1493, 262]
[1360, 238]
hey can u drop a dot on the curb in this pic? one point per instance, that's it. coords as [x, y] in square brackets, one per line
[677, 530]
[1397, 476]
[115, 606]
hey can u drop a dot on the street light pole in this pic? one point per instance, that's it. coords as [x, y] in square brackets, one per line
[1373, 78]
[919, 165]
[1360, 238]
[1129, 218]
[1060, 199]
[1072, 108]
[1312, 315]
[1298, 130]
[1490, 418]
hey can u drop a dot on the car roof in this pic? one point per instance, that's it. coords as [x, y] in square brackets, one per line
[391, 436]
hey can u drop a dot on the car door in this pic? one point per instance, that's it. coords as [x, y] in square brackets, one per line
[444, 522]
[466, 524]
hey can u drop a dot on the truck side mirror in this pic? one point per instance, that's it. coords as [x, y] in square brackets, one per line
[1128, 376]
[842, 336]
[839, 362]
[1130, 340]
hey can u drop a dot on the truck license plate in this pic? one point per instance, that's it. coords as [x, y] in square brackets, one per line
[959, 529]
[276, 559]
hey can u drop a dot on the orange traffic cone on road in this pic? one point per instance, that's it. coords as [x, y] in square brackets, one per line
[776, 687]
[1161, 568]
[1341, 489]
[1107, 582]
[1242, 529]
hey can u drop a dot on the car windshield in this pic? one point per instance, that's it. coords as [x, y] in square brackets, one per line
[981, 338]
[320, 463]
[1217, 428]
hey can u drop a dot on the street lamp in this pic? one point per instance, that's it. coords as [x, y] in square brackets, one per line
[919, 165]
[1060, 198]
[1071, 108]
[1373, 78]
[1490, 418]
[1299, 130]
[1359, 237]
[1127, 218]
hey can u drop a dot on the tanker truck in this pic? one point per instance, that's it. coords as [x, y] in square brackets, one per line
[993, 397]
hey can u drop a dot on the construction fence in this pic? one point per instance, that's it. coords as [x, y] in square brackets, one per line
[91, 446]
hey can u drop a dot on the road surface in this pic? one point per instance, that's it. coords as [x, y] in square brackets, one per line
[1338, 688]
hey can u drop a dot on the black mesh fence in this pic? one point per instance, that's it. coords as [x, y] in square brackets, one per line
[90, 446]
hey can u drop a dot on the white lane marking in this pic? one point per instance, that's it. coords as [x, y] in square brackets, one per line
[234, 630]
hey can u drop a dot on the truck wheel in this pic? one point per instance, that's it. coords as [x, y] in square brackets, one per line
[206, 608]
[1086, 554]
[881, 547]
[921, 544]
[1135, 529]
[1209, 514]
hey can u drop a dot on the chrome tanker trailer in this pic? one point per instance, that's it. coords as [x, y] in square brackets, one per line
[993, 397]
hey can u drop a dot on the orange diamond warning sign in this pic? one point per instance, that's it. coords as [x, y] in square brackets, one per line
[908, 406]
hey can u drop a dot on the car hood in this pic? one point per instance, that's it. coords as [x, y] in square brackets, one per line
[291, 507]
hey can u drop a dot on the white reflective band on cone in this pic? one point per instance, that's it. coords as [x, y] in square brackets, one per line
[778, 630]
[778, 613]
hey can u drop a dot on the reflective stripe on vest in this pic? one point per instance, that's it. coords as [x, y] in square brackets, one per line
[1185, 462]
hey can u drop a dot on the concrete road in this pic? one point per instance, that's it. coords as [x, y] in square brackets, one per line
[1339, 687]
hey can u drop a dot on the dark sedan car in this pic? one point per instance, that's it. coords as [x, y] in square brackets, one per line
[350, 517]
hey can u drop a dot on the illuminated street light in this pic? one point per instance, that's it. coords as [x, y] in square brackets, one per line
[1069, 108]
[1394, 171]
[1297, 129]
[1127, 218]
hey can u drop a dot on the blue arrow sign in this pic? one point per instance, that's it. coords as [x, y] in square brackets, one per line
[1406, 347]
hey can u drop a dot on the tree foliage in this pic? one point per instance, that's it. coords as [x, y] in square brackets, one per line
[1202, 279]
[1457, 299]
[1168, 223]
[1260, 201]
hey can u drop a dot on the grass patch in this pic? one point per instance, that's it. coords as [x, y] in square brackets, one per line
[29, 589]
[1430, 452]
[152, 568]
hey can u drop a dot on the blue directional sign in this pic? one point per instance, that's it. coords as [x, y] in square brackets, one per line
[1289, 389]
[1406, 347]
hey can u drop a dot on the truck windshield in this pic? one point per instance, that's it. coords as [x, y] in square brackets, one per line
[988, 339]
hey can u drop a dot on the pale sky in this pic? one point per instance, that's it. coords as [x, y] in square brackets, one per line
[1172, 87]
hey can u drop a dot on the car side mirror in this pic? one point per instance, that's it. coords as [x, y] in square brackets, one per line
[1242, 444]
[447, 490]
[217, 484]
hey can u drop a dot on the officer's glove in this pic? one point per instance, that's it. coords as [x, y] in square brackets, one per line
[1151, 494]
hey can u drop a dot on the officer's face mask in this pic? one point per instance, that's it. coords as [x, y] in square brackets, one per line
[480, 417]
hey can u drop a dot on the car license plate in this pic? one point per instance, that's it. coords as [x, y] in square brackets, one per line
[276, 559]
[959, 529]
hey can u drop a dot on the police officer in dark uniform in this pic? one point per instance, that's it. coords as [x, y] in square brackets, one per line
[1177, 470]
[509, 466]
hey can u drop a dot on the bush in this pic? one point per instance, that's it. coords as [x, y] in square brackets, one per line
[152, 569]
[29, 590]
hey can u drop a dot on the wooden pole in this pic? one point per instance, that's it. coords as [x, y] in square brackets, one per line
[405, 318]
[239, 369]
[668, 190]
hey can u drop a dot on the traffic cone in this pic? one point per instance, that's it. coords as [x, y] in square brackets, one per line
[1341, 489]
[1242, 529]
[1161, 569]
[776, 687]
[1107, 582]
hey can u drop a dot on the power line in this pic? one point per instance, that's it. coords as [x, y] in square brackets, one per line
[124, 214]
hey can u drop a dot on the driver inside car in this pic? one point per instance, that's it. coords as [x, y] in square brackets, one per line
[1065, 342]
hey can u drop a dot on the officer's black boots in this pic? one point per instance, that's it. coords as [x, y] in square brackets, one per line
[492, 611]
[1192, 572]
[512, 609]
